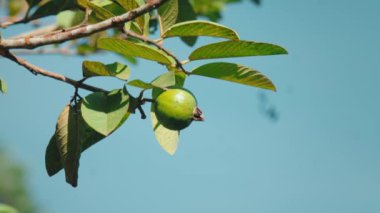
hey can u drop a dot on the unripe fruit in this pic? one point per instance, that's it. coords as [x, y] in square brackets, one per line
[176, 108]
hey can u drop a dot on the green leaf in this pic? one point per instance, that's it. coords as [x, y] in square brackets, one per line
[67, 137]
[200, 28]
[70, 18]
[7, 209]
[165, 80]
[186, 13]
[105, 112]
[3, 86]
[33, 3]
[228, 49]
[168, 139]
[95, 68]
[234, 73]
[168, 14]
[133, 49]
[51, 8]
[53, 160]
[140, 84]
[100, 12]
[15, 7]
[142, 21]
[85, 49]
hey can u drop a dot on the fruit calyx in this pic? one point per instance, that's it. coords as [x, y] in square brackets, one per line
[197, 115]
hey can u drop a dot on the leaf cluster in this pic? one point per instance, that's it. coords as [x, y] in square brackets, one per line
[86, 121]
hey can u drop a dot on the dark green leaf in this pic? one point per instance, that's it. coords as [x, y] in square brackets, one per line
[95, 68]
[105, 112]
[33, 3]
[133, 49]
[210, 9]
[186, 13]
[168, 14]
[228, 49]
[100, 12]
[142, 21]
[53, 160]
[235, 73]
[200, 28]
[51, 8]
[67, 137]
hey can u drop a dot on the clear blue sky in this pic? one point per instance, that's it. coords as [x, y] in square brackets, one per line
[322, 155]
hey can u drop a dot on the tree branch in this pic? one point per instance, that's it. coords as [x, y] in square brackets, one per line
[37, 70]
[84, 31]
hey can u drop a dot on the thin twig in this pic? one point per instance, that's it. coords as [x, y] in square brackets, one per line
[37, 70]
[84, 31]
[37, 32]
[50, 51]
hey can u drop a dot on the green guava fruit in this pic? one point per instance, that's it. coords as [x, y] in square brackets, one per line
[176, 108]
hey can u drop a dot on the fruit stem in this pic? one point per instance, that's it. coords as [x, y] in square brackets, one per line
[143, 115]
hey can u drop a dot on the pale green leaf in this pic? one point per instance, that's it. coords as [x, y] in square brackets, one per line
[165, 80]
[95, 68]
[140, 84]
[69, 18]
[168, 139]
[228, 49]
[200, 28]
[7, 209]
[105, 112]
[168, 13]
[235, 73]
[3, 86]
[134, 49]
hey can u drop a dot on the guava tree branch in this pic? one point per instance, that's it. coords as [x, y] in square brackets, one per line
[84, 31]
[37, 70]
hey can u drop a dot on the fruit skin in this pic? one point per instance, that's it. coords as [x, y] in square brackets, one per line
[175, 108]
